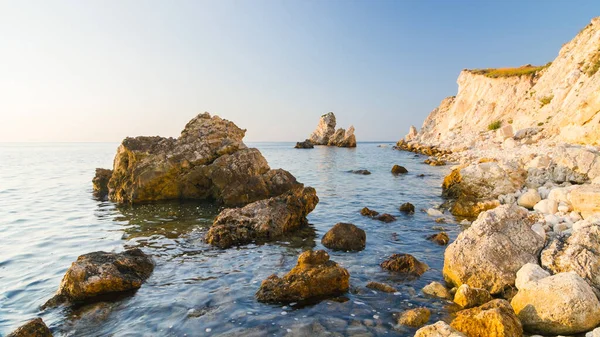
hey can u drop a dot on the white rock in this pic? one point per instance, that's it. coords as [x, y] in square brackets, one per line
[575, 216]
[539, 229]
[465, 222]
[539, 162]
[530, 272]
[560, 227]
[546, 206]
[529, 199]
[509, 143]
[434, 212]
[559, 194]
[543, 191]
[552, 219]
[564, 207]
[439, 329]
[593, 333]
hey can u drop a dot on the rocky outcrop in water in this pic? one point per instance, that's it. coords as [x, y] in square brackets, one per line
[34, 328]
[326, 134]
[207, 161]
[264, 219]
[345, 236]
[474, 258]
[100, 273]
[414, 318]
[100, 182]
[307, 144]
[315, 276]
[406, 264]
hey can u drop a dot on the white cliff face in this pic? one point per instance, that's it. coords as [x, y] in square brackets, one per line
[562, 99]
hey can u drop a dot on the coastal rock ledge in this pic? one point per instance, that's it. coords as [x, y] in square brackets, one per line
[207, 161]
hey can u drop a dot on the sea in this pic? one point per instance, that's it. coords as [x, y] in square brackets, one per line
[48, 217]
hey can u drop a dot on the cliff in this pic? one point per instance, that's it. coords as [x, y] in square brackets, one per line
[562, 99]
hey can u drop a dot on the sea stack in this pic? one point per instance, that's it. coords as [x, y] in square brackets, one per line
[326, 134]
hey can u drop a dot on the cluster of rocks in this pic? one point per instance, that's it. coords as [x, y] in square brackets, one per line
[326, 134]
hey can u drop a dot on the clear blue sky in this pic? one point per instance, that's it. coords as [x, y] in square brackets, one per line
[102, 70]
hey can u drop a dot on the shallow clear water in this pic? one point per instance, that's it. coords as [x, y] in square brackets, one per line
[48, 217]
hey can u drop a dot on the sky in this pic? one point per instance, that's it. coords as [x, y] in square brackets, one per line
[99, 71]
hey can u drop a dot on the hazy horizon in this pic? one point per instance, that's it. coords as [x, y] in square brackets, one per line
[99, 71]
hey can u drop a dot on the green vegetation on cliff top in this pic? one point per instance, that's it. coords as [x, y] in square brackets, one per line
[526, 70]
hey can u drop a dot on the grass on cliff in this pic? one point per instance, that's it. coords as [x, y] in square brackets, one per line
[526, 70]
[594, 65]
[546, 100]
[495, 125]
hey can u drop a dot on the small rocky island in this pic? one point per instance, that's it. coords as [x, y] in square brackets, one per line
[326, 134]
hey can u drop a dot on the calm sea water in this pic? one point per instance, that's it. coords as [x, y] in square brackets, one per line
[48, 217]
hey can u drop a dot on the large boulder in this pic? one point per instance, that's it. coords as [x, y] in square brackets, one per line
[315, 276]
[468, 297]
[529, 199]
[100, 182]
[345, 236]
[34, 328]
[264, 219]
[324, 130]
[475, 187]
[439, 329]
[414, 318]
[437, 289]
[397, 169]
[577, 252]
[489, 253]
[207, 161]
[495, 319]
[100, 273]
[307, 144]
[560, 304]
[586, 200]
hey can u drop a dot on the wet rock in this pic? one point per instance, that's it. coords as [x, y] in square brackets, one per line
[34, 328]
[578, 253]
[475, 257]
[324, 130]
[495, 318]
[439, 329]
[560, 304]
[414, 318]
[264, 219]
[407, 208]
[345, 236]
[100, 182]
[434, 212]
[397, 169]
[434, 162]
[208, 161]
[440, 220]
[307, 144]
[315, 276]
[368, 212]
[441, 238]
[310, 329]
[436, 289]
[468, 297]
[381, 287]
[385, 217]
[100, 273]
[361, 172]
[529, 199]
[405, 263]
[586, 200]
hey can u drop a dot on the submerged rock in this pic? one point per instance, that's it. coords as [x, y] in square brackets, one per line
[381, 287]
[100, 273]
[100, 182]
[407, 207]
[414, 318]
[315, 276]
[362, 172]
[405, 263]
[495, 318]
[34, 328]
[560, 304]
[307, 144]
[207, 161]
[368, 212]
[475, 257]
[345, 236]
[385, 217]
[441, 238]
[264, 219]
[439, 329]
[397, 169]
